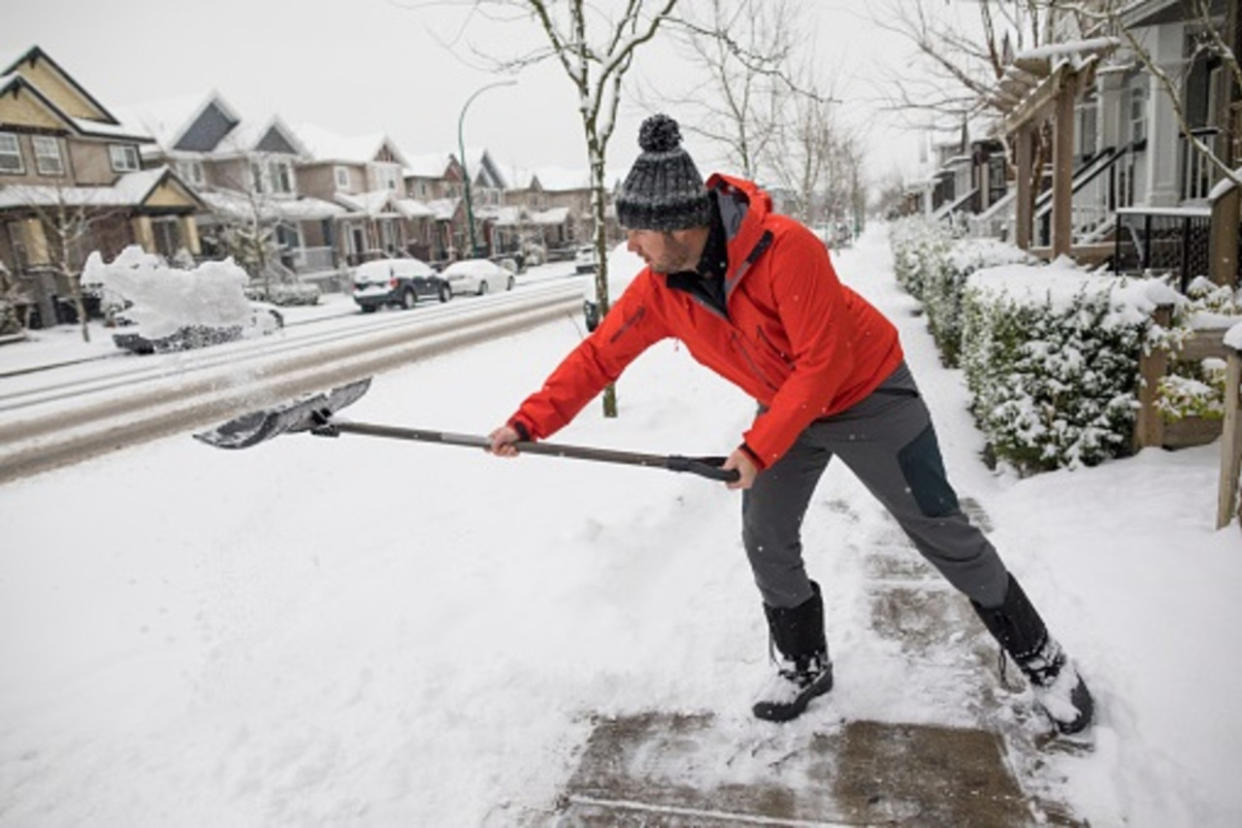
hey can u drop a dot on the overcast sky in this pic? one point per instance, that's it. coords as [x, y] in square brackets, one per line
[358, 66]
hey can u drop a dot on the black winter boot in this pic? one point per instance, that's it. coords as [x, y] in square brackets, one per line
[803, 668]
[1059, 690]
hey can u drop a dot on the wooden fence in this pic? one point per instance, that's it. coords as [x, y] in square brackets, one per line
[1150, 429]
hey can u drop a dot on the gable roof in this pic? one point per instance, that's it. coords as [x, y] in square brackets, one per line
[427, 165]
[34, 54]
[479, 162]
[169, 119]
[325, 145]
[84, 126]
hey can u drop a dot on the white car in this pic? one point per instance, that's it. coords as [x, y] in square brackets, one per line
[585, 260]
[477, 276]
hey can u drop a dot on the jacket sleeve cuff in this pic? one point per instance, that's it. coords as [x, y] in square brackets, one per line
[520, 427]
[754, 456]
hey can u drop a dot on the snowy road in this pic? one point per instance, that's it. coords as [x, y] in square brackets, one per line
[360, 632]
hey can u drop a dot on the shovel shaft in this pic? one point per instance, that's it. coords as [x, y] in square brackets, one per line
[704, 466]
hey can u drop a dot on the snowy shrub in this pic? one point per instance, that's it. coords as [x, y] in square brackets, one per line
[9, 323]
[1051, 358]
[285, 293]
[1196, 388]
[920, 249]
[943, 288]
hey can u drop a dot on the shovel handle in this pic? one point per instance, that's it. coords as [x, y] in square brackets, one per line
[708, 467]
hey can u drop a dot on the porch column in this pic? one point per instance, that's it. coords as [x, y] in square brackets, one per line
[37, 251]
[1063, 168]
[1162, 160]
[144, 235]
[189, 234]
[1022, 201]
[1108, 89]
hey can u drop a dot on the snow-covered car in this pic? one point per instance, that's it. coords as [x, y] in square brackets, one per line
[585, 260]
[397, 282]
[477, 276]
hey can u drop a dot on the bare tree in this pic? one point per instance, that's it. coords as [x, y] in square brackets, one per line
[744, 48]
[69, 217]
[595, 46]
[955, 74]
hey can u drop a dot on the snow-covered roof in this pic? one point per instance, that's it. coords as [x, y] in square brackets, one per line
[413, 208]
[556, 215]
[87, 126]
[374, 203]
[444, 208]
[1068, 48]
[238, 205]
[507, 215]
[427, 165]
[325, 145]
[167, 119]
[129, 190]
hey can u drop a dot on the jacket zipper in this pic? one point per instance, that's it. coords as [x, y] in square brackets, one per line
[754, 366]
[764, 337]
[628, 323]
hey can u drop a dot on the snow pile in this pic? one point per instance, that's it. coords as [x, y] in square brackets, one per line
[167, 299]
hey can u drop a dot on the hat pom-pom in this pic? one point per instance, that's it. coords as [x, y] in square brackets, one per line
[659, 133]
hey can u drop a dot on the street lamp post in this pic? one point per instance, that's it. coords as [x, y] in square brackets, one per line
[461, 147]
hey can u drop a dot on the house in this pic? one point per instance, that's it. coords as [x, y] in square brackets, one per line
[559, 205]
[435, 207]
[245, 170]
[71, 181]
[364, 175]
[1126, 185]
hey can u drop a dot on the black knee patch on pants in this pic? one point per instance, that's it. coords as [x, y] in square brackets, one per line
[923, 469]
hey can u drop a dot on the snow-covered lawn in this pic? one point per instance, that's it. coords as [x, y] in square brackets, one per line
[358, 631]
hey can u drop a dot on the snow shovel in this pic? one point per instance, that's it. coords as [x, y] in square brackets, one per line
[316, 413]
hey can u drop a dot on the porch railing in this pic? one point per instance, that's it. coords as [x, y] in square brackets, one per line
[1171, 239]
[1199, 174]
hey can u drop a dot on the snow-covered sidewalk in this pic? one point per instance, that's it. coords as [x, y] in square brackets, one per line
[357, 631]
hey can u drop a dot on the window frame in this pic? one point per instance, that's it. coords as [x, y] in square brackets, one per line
[17, 152]
[125, 150]
[280, 173]
[40, 157]
[336, 176]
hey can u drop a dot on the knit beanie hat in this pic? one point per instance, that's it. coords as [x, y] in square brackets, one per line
[664, 190]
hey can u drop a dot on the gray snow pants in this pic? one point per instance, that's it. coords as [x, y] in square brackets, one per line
[888, 441]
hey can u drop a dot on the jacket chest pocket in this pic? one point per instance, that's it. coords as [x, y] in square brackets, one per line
[761, 359]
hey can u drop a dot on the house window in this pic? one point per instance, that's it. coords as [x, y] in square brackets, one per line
[282, 176]
[1138, 112]
[124, 157]
[47, 155]
[256, 176]
[10, 154]
[191, 171]
[342, 178]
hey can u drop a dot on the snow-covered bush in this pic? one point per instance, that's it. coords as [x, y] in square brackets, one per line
[1051, 358]
[285, 293]
[920, 249]
[9, 323]
[1197, 388]
[943, 288]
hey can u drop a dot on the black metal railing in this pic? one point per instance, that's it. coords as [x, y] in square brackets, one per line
[1172, 241]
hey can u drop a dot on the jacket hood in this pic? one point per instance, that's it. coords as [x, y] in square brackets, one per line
[744, 210]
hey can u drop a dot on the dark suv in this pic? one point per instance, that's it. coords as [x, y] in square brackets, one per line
[397, 282]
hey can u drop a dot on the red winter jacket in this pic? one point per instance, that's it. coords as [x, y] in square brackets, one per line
[796, 339]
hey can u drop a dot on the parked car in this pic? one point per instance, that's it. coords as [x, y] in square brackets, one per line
[397, 282]
[264, 318]
[477, 276]
[585, 260]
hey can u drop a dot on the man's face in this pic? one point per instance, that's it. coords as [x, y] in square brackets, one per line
[664, 252]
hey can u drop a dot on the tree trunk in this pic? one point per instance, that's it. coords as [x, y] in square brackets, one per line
[601, 250]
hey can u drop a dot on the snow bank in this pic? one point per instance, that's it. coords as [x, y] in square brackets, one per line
[166, 299]
[1061, 282]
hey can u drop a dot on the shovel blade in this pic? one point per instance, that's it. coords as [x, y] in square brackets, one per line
[296, 415]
